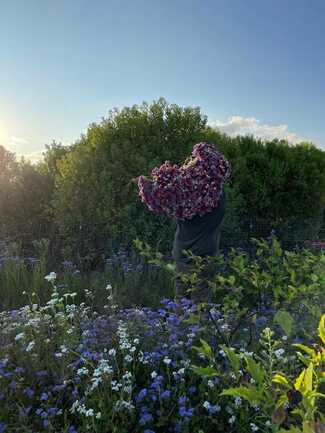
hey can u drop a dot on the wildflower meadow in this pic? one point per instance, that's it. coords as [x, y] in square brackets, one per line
[77, 355]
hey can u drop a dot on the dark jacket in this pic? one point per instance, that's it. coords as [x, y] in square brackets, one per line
[199, 234]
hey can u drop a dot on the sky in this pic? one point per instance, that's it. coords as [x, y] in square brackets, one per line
[253, 66]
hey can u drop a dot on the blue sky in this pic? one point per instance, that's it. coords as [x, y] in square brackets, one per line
[252, 66]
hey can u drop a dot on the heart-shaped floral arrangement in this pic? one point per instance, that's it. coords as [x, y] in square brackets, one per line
[192, 189]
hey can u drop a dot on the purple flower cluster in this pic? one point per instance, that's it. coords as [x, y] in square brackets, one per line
[139, 359]
[191, 189]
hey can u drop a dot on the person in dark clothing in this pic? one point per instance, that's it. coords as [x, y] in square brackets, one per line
[201, 236]
[194, 195]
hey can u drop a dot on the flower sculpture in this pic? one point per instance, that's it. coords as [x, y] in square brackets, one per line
[192, 189]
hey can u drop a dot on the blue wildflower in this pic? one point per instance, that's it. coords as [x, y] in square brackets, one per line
[182, 400]
[142, 394]
[186, 413]
[29, 392]
[3, 427]
[44, 396]
[13, 384]
[165, 394]
[145, 418]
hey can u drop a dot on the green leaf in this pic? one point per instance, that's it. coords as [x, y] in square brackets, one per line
[205, 371]
[304, 348]
[282, 380]
[283, 399]
[299, 380]
[249, 394]
[321, 328]
[308, 379]
[285, 320]
[303, 359]
[255, 370]
[233, 358]
[204, 348]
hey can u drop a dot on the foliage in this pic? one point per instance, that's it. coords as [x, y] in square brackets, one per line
[133, 279]
[83, 193]
[252, 288]
[67, 366]
[293, 402]
[25, 195]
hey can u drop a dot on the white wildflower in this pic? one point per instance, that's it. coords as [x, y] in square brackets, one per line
[20, 336]
[206, 405]
[89, 412]
[30, 346]
[128, 358]
[279, 352]
[112, 352]
[50, 277]
[83, 371]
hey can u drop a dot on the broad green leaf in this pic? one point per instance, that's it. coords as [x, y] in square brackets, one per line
[233, 358]
[205, 371]
[279, 378]
[249, 394]
[299, 380]
[304, 348]
[321, 328]
[285, 320]
[308, 379]
[204, 348]
[303, 359]
[255, 370]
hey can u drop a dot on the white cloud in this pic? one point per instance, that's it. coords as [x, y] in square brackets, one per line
[33, 157]
[17, 141]
[20, 146]
[238, 125]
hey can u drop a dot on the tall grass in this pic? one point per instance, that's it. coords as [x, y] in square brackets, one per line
[134, 282]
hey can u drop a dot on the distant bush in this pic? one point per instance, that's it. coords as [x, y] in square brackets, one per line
[85, 196]
[273, 183]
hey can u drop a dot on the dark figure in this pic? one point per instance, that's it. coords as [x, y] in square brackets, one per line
[200, 235]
